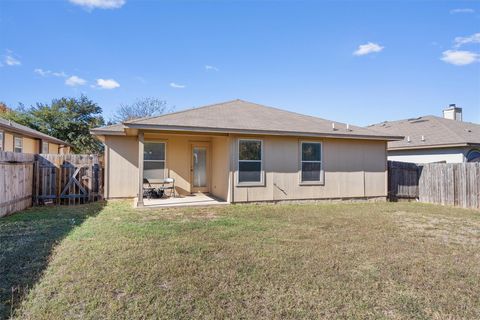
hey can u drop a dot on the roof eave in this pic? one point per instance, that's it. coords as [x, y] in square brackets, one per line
[262, 132]
[433, 146]
[97, 132]
[33, 135]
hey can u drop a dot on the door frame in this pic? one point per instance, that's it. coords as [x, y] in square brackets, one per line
[205, 189]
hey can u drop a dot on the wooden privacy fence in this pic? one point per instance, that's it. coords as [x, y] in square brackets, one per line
[456, 184]
[67, 179]
[16, 177]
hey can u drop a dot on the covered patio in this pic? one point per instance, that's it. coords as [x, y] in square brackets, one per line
[196, 166]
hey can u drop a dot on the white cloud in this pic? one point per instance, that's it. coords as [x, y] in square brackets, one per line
[212, 68]
[177, 86]
[41, 72]
[107, 84]
[460, 41]
[462, 10]
[100, 4]
[47, 73]
[59, 74]
[367, 48]
[74, 81]
[459, 58]
[11, 61]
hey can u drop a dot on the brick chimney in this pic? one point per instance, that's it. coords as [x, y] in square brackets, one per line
[453, 112]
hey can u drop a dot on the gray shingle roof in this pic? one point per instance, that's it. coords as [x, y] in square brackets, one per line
[436, 131]
[114, 129]
[9, 125]
[240, 116]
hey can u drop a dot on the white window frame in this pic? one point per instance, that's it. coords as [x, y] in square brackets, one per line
[48, 146]
[2, 140]
[260, 183]
[164, 161]
[320, 182]
[15, 138]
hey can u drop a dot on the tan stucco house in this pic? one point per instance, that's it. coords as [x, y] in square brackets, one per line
[15, 137]
[241, 152]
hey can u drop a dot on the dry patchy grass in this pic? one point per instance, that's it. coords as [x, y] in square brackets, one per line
[384, 260]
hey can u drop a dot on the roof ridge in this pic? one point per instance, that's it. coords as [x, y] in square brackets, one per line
[455, 121]
[399, 120]
[298, 113]
[180, 111]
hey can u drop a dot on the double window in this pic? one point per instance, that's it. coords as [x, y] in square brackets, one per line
[44, 147]
[17, 144]
[154, 158]
[250, 161]
[311, 162]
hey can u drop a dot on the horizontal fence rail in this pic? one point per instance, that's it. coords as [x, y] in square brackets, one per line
[456, 184]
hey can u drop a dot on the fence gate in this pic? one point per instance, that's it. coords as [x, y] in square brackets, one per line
[67, 179]
[402, 180]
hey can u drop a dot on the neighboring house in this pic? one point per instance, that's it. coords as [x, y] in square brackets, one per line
[433, 139]
[17, 138]
[240, 152]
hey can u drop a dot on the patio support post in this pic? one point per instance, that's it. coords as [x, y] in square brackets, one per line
[140, 169]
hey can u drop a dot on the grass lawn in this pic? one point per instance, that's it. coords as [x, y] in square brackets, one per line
[385, 260]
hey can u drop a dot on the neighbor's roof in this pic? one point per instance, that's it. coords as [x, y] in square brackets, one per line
[437, 132]
[12, 126]
[240, 116]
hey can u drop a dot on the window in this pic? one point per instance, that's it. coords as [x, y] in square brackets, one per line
[1, 141]
[44, 147]
[473, 155]
[250, 161]
[311, 155]
[17, 144]
[154, 160]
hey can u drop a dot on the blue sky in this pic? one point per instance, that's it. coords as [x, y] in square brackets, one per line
[356, 62]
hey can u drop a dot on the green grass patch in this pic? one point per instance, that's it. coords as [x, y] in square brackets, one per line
[378, 260]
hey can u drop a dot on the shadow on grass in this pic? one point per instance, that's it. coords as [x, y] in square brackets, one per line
[26, 241]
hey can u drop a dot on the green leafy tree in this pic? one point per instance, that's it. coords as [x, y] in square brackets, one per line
[68, 119]
[19, 115]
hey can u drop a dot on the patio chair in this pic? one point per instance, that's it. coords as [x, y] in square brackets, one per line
[150, 192]
[170, 186]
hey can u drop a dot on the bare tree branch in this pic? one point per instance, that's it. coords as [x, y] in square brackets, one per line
[141, 108]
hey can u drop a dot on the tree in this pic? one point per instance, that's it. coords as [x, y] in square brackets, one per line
[19, 115]
[145, 107]
[68, 119]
